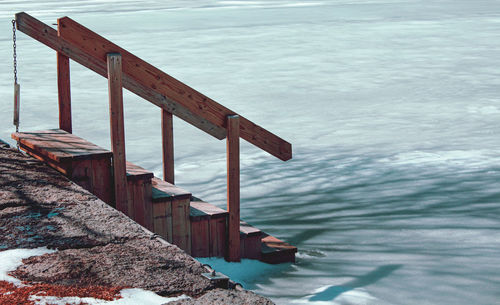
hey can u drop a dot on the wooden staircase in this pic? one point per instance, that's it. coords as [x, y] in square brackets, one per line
[197, 227]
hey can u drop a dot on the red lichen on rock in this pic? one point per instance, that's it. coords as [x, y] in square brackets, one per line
[12, 294]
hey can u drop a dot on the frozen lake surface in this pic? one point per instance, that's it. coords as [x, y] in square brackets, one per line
[392, 108]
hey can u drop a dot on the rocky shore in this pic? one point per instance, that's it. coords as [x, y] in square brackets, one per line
[97, 245]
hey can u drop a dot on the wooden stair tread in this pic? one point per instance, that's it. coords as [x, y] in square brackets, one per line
[59, 145]
[135, 172]
[247, 230]
[203, 210]
[163, 190]
[272, 244]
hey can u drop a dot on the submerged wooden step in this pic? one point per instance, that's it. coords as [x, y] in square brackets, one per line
[250, 241]
[171, 213]
[208, 229]
[276, 251]
[81, 161]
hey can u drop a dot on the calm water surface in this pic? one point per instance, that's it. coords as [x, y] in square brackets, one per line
[392, 107]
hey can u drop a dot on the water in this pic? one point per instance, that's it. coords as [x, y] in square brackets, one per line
[392, 108]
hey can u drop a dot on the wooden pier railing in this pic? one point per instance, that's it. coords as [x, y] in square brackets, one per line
[123, 69]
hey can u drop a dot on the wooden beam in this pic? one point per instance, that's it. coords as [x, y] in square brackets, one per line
[233, 188]
[64, 92]
[167, 135]
[114, 64]
[48, 36]
[159, 81]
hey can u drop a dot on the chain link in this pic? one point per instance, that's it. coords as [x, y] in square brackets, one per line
[14, 47]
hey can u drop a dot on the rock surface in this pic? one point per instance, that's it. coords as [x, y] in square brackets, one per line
[97, 244]
[226, 297]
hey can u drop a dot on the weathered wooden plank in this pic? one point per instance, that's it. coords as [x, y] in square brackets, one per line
[163, 190]
[48, 36]
[117, 129]
[62, 167]
[138, 204]
[135, 172]
[251, 247]
[81, 174]
[167, 135]
[181, 228]
[162, 217]
[248, 230]
[218, 236]
[130, 211]
[157, 80]
[64, 92]
[201, 209]
[101, 179]
[233, 188]
[200, 238]
[148, 205]
[59, 145]
[276, 251]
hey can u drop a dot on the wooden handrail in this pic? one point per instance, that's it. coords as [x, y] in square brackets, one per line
[159, 81]
[48, 36]
[143, 79]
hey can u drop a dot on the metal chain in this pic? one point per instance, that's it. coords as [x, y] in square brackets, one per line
[15, 66]
[14, 47]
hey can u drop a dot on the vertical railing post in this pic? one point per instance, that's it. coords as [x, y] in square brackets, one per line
[114, 64]
[233, 188]
[63, 87]
[167, 134]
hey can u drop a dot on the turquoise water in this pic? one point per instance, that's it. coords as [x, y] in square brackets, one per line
[392, 108]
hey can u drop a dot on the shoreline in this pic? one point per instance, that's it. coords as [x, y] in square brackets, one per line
[97, 245]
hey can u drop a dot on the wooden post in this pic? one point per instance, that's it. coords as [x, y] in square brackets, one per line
[233, 188]
[63, 86]
[167, 134]
[114, 65]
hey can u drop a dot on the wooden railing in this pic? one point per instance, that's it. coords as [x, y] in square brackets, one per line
[123, 69]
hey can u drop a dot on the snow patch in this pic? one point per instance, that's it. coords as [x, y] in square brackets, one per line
[11, 259]
[130, 296]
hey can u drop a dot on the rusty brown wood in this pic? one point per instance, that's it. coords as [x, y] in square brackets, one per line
[64, 92]
[233, 188]
[48, 36]
[178, 92]
[167, 135]
[181, 225]
[117, 130]
[59, 145]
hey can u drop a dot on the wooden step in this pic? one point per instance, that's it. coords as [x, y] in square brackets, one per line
[139, 195]
[275, 251]
[135, 172]
[250, 241]
[208, 229]
[81, 161]
[171, 213]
